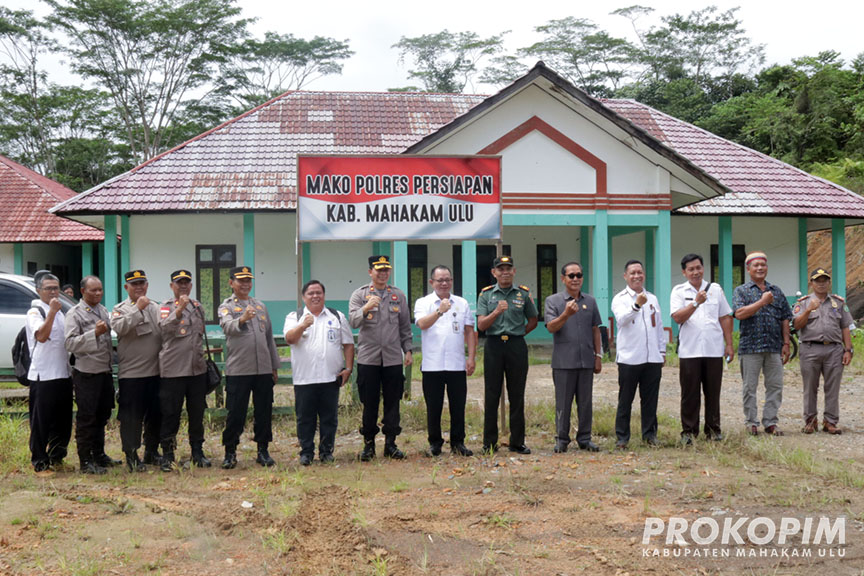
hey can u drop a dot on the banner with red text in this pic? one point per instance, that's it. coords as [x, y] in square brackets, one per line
[398, 197]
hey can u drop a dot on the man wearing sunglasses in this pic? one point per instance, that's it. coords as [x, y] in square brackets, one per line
[574, 321]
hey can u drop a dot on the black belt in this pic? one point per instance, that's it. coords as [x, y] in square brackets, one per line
[822, 342]
[506, 337]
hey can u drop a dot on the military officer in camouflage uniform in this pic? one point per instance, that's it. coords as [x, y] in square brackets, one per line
[381, 313]
[88, 337]
[822, 320]
[139, 340]
[507, 313]
[251, 367]
[183, 370]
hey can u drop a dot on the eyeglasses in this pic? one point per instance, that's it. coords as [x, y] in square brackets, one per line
[50, 288]
[573, 275]
[442, 280]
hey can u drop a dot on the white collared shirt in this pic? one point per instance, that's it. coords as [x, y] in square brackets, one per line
[317, 357]
[640, 338]
[48, 360]
[701, 336]
[443, 343]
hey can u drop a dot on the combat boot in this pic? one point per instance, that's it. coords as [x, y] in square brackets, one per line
[133, 463]
[90, 467]
[167, 464]
[198, 457]
[264, 458]
[152, 457]
[391, 450]
[230, 460]
[368, 453]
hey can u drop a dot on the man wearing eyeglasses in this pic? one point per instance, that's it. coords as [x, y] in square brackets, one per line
[574, 321]
[507, 313]
[447, 325]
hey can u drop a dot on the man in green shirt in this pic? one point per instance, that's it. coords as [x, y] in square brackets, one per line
[507, 313]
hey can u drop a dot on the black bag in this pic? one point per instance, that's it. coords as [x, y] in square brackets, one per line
[214, 375]
[21, 353]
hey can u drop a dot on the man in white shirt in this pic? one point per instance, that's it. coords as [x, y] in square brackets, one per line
[447, 325]
[322, 358]
[705, 336]
[640, 354]
[50, 402]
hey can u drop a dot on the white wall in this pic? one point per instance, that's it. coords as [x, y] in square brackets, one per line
[7, 258]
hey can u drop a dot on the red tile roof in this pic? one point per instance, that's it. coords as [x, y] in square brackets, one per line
[758, 184]
[249, 163]
[26, 197]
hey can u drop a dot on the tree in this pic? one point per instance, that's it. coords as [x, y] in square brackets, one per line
[447, 61]
[258, 70]
[149, 55]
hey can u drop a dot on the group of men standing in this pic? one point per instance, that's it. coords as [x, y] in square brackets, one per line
[161, 360]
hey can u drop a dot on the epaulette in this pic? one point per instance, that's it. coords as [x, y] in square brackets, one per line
[487, 288]
[525, 288]
[802, 298]
[840, 298]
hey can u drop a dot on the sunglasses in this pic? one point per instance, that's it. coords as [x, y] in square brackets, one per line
[573, 275]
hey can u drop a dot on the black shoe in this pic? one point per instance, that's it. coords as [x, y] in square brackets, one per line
[134, 464]
[167, 464]
[152, 457]
[522, 449]
[589, 446]
[264, 458]
[560, 448]
[106, 461]
[368, 453]
[326, 458]
[490, 449]
[230, 460]
[200, 460]
[393, 452]
[651, 441]
[306, 459]
[433, 450]
[621, 445]
[717, 437]
[460, 450]
[41, 466]
[90, 467]
[686, 440]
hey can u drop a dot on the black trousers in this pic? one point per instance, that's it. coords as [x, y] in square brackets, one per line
[646, 377]
[569, 384]
[50, 409]
[504, 359]
[456, 385]
[137, 409]
[94, 394]
[237, 392]
[172, 393]
[317, 406]
[698, 375]
[373, 383]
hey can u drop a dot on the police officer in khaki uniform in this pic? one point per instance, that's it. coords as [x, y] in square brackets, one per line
[139, 340]
[507, 313]
[822, 320]
[251, 367]
[88, 337]
[381, 313]
[183, 371]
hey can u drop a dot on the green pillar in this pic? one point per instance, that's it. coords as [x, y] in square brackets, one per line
[111, 280]
[585, 254]
[469, 278]
[125, 245]
[400, 265]
[18, 253]
[600, 245]
[249, 245]
[650, 272]
[803, 273]
[663, 258]
[838, 256]
[381, 248]
[307, 261]
[86, 258]
[724, 254]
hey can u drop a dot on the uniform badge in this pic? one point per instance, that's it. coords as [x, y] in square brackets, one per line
[238, 309]
[182, 331]
[226, 312]
[394, 297]
[833, 303]
[369, 316]
[259, 307]
[116, 314]
[797, 309]
[182, 322]
[164, 311]
[395, 309]
[584, 306]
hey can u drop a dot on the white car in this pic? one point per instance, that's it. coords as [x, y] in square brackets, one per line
[16, 295]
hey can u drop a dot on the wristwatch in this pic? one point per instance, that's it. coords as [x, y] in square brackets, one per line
[850, 351]
[695, 304]
[439, 313]
[598, 355]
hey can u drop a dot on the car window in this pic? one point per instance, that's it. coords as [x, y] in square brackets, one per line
[14, 299]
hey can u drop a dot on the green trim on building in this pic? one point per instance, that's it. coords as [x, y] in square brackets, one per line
[600, 263]
[663, 253]
[111, 280]
[400, 265]
[125, 244]
[249, 245]
[548, 219]
[635, 220]
[86, 258]
[838, 257]
[650, 271]
[18, 256]
[585, 254]
[469, 281]
[306, 248]
[381, 248]
[803, 273]
[724, 254]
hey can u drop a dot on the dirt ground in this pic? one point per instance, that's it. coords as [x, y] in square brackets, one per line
[542, 514]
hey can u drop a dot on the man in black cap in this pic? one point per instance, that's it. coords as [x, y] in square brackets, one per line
[381, 313]
[507, 313]
[139, 340]
[88, 337]
[182, 370]
[251, 367]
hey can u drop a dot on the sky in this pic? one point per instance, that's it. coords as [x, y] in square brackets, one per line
[788, 29]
